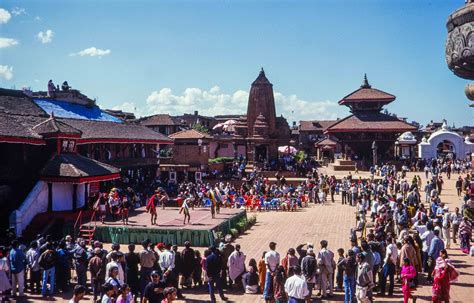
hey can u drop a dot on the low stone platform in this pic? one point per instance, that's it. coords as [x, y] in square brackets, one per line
[200, 231]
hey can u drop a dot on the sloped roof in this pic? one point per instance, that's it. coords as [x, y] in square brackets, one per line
[326, 141]
[14, 102]
[190, 134]
[367, 94]
[53, 126]
[104, 131]
[76, 166]
[160, 119]
[16, 128]
[370, 121]
[65, 109]
[314, 125]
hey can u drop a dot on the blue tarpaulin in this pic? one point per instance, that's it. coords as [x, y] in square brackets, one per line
[63, 109]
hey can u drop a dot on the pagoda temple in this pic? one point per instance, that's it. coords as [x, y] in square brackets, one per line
[367, 132]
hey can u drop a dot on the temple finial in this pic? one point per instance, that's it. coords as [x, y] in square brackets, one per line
[365, 84]
[262, 72]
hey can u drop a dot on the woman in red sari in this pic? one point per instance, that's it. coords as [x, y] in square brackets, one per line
[443, 275]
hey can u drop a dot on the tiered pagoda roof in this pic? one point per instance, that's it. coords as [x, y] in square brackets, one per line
[365, 104]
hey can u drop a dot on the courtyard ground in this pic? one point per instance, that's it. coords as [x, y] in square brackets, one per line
[331, 222]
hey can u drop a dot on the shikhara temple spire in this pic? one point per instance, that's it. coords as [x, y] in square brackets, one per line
[365, 84]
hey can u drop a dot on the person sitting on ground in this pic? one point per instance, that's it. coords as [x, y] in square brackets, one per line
[78, 293]
[250, 280]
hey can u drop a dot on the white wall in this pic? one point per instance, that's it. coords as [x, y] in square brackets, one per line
[427, 150]
[35, 203]
[62, 196]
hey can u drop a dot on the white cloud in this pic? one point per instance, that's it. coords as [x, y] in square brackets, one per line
[215, 102]
[296, 109]
[7, 42]
[92, 52]
[46, 36]
[6, 72]
[4, 16]
[38, 18]
[130, 107]
[17, 11]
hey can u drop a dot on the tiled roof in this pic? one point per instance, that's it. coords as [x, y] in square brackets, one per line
[16, 103]
[370, 121]
[190, 134]
[76, 166]
[160, 119]
[16, 126]
[315, 125]
[326, 141]
[364, 94]
[53, 126]
[109, 131]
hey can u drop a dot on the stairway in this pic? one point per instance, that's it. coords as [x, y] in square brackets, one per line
[87, 232]
[343, 165]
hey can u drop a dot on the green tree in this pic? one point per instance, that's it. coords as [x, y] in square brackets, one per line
[200, 128]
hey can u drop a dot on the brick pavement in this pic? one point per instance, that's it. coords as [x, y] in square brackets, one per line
[331, 222]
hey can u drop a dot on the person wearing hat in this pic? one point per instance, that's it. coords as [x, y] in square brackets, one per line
[96, 269]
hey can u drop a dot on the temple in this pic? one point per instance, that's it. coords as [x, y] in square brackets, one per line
[259, 133]
[367, 128]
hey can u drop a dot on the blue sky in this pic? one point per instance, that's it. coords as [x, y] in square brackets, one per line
[181, 56]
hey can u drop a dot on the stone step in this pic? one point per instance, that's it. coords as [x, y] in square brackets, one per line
[345, 162]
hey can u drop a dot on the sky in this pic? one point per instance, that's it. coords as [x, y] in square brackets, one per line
[180, 56]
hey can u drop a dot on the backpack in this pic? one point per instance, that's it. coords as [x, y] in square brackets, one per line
[46, 260]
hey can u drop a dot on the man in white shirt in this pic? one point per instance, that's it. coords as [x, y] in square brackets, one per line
[236, 265]
[456, 219]
[389, 264]
[115, 263]
[166, 260]
[426, 238]
[296, 287]
[447, 227]
[272, 260]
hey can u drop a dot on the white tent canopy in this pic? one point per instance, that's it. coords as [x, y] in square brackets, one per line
[287, 149]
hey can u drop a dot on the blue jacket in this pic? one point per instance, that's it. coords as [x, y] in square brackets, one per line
[213, 265]
[437, 245]
[17, 260]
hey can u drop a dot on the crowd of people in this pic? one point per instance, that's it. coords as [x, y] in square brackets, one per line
[402, 232]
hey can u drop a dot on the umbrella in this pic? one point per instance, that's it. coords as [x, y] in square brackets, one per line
[218, 125]
[230, 122]
[287, 149]
[229, 125]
